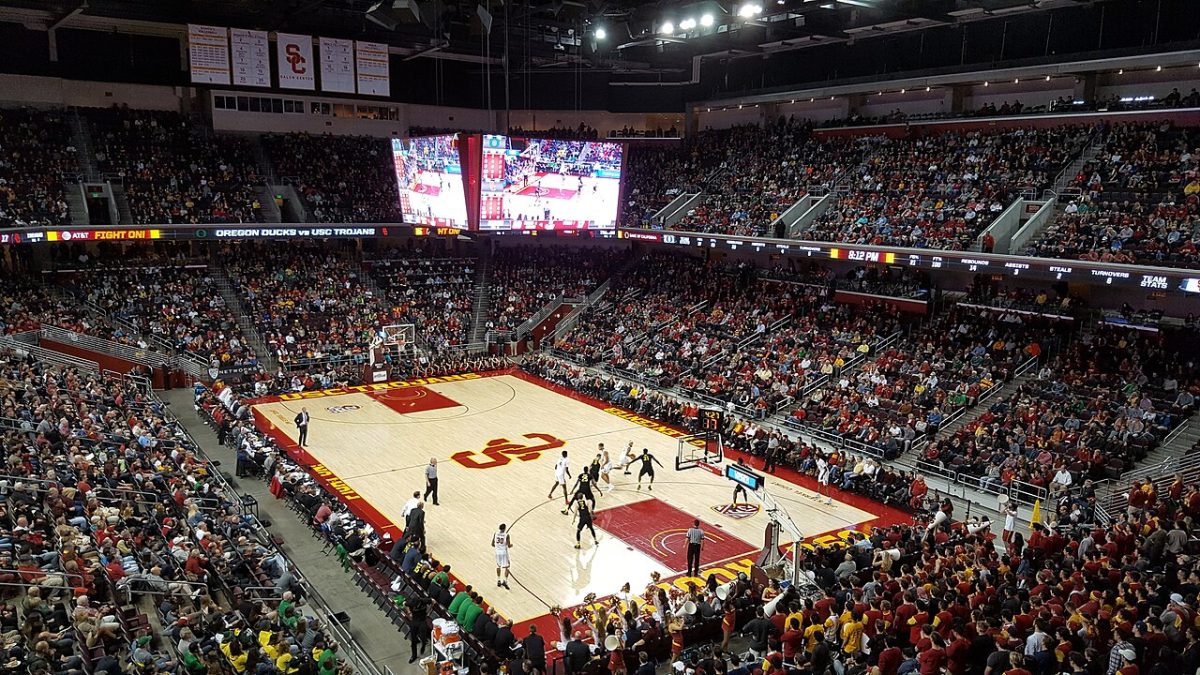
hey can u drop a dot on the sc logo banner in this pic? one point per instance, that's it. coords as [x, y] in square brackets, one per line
[338, 409]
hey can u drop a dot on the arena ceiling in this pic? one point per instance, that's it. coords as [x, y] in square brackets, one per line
[702, 48]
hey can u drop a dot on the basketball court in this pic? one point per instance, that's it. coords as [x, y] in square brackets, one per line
[496, 438]
[564, 195]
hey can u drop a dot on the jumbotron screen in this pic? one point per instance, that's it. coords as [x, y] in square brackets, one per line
[430, 177]
[545, 184]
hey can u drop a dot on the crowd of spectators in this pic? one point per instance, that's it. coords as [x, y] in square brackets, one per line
[583, 132]
[34, 156]
[25, 304]
[174, 302]
[308, 301]
[941, 190]
[342, 179]
[174, 170]
[1102, 405]
[658, 286]
[911, 387]
[125, 550]
[761, 171]
[434, 293]
[1139, 201]
[525, 279]
[747, 175]
[821, 338]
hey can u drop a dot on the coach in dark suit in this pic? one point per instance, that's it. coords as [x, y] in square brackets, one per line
[302, 425]
[414, 527]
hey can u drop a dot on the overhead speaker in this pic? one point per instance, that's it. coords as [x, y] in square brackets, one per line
[380, 14]
[407, 11]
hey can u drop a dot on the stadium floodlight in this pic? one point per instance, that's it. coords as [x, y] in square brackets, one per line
[601, 34]
[687, 24]
[667, 28]
[706, 20]
[749, 10]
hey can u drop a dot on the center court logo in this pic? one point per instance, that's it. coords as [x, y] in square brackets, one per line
[336, 409]
[736, 511]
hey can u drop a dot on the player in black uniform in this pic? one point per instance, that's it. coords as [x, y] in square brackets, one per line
[648, 461]
[594, 468]
[738, 488]
[583, 490]
[584, 513]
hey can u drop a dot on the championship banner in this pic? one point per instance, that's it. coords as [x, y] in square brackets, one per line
[251, 57]
[337, 65]
[374, 78]
[208, 54]
[294, 59]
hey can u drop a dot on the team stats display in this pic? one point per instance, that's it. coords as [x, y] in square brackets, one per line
[546, 184]
[430, 177]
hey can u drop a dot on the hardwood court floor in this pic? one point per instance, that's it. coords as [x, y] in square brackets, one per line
[373, 448]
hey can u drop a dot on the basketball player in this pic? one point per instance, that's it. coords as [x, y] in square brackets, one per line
[562, 473]
[738, 488]
[502, 541]
[605, 467]
[648, 461]
[594, 467]
[583, 490]
[823, 471]
[584, 514]
[628, 458]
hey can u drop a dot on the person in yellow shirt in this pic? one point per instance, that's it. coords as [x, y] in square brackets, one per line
[852, 633]
[288, 663]
[813, 634]
[232, 650]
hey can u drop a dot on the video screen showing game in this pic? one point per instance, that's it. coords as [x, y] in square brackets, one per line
[429, 174]
[544, 184]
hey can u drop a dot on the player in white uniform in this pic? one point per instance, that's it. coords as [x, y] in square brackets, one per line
[627, 458]
[502, 541]
[605, 468]
[562, 474]
[823, 470]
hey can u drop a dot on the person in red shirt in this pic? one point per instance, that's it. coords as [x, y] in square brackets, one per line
[932, 660]
[890, 658]
[958, 652]
[793, 640]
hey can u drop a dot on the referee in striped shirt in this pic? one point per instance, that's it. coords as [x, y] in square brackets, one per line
[695, 538]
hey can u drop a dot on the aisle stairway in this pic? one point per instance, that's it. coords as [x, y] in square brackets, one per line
[483, 285]
[224, 286]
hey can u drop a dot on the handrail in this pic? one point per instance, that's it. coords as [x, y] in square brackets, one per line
[145, 357]
[48, 355]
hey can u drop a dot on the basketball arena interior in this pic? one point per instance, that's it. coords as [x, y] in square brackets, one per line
[400, 337]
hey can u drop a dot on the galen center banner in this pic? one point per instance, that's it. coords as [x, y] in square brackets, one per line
[294, 59]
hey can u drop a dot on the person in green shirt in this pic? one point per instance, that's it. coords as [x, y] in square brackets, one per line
[457, 601]
[442, 578]
[327, 660]
[467, 613]
[192, 661]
